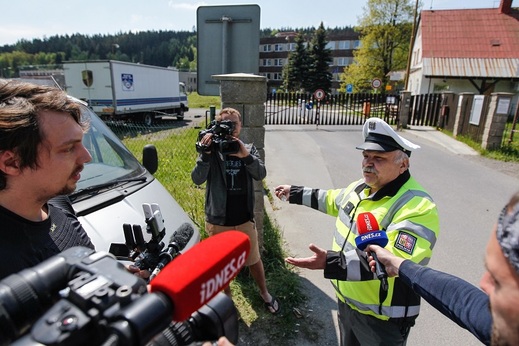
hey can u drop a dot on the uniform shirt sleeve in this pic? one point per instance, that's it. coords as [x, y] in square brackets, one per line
[457, 299]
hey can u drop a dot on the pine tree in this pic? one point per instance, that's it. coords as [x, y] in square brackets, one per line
[319, 75]
[296, 70]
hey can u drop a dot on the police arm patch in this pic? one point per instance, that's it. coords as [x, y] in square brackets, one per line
[405, 242]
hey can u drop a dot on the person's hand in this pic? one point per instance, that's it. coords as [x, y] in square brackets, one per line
[317, 261]
[282, 192]
[223, 341]
[242, 152]
[390, 261]
[206, 141]
[143, 274]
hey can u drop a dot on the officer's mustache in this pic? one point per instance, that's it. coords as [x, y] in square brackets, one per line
[369, 169]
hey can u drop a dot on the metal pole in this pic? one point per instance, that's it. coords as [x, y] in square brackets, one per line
[513, 124]
[225, 49]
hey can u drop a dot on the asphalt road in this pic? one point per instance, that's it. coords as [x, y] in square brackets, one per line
[468, 190]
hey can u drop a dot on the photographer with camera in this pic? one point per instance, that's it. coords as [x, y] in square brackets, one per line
[228, 166]
[41, 157]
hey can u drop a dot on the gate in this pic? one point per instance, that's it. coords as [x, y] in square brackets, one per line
[339, 109]
[349, 109]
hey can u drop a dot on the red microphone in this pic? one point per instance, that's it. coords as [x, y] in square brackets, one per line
[192, 279]
[370, 233]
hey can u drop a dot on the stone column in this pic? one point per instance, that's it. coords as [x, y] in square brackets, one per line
[247, 93]
[495, 123]
[462, 112]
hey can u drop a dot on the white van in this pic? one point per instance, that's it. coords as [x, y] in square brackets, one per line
[114, 186]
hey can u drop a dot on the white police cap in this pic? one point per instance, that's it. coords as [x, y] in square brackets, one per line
[379, 136]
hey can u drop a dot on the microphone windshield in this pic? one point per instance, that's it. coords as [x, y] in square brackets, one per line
[182, 235]
[369, 232]
[366, 222]
[193, 279]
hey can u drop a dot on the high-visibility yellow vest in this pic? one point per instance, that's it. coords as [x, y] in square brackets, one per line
[410, 219]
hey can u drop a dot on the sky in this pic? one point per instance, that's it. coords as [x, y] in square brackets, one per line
[30, 19]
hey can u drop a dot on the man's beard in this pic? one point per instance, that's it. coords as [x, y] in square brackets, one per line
[496, 338]
[66, 190]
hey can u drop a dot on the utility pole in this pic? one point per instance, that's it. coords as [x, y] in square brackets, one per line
[409, 56]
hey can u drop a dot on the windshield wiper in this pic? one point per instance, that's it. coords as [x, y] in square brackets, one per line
[94, 189]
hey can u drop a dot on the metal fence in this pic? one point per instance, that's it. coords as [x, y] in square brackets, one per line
[340, 109]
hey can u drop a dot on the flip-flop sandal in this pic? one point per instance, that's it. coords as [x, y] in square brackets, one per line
[271, 307]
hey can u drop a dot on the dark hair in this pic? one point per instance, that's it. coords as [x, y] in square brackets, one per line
[20, 106]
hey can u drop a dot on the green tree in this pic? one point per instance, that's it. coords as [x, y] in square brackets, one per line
[296, 70]
[385, 31]
[319, 75]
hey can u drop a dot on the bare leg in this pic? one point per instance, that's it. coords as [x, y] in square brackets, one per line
[258, 274]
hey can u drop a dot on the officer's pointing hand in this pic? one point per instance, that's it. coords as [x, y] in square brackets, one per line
[317, 261]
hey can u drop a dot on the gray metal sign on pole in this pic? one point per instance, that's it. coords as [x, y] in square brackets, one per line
[227, 42]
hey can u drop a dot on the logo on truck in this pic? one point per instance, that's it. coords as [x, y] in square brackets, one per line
[127, 80]
[88, 78]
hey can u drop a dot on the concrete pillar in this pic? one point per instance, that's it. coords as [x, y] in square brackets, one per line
[462, 112]
[495, 123]
[405, 104]
[247, 93]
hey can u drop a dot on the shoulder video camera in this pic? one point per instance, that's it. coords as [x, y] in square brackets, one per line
[221, 130]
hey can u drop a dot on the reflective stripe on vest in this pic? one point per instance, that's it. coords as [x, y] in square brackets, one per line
[387, 311]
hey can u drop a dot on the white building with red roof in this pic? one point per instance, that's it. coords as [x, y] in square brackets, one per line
[469, 50]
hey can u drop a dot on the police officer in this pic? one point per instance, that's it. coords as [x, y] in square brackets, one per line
[370, 313]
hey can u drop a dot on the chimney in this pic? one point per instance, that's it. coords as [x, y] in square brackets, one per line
[505, 6]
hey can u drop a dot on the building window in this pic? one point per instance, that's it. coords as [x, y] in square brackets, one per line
[267, 48]
[343, 61]
[344, 44]
[330, 45]
[356, 44]
[278, 47]
[278, 62]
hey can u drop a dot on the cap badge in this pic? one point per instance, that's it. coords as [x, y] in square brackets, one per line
[372, 125]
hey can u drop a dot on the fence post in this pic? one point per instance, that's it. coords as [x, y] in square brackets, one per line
[461, 112]
[247, 93]
[405, 104]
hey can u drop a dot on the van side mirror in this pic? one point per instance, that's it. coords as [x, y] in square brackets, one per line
[150, 159]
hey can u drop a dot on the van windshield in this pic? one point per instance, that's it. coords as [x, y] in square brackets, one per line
[111, 160]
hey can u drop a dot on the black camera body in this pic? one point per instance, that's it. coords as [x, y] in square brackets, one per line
[221, 131]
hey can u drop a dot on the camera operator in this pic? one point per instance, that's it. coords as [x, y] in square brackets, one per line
[229, 197]
[41, 157]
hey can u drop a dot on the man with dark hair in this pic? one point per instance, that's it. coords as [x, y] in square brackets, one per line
[41, 157]
[464, 303]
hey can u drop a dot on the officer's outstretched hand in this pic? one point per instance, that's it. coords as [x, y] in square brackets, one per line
[317, 261]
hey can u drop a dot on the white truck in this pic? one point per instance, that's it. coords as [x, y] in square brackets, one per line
[124, 90]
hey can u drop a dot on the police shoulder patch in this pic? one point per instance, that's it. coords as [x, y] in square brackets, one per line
[405, 242]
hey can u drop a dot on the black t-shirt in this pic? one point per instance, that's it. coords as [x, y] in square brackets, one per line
[24, 243]
[236, 175]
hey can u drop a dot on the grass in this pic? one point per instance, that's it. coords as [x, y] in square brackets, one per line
[198, 101]
[509, 151]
